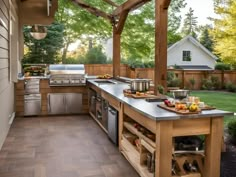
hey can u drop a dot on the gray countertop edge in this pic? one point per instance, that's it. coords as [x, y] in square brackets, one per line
[171, 115]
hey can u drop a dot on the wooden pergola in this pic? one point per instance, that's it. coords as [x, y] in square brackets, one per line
[117, 19]
[36, 12]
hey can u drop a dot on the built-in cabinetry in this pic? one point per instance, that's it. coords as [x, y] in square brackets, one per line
[104, 109]
[62, 100]
[98, 108]
[64, 103]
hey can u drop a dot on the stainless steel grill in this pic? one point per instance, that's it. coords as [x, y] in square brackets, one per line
[67, 75]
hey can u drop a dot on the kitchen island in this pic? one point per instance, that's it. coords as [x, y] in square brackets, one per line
[165, 125]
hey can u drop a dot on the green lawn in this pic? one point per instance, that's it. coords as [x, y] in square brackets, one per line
[221, 100]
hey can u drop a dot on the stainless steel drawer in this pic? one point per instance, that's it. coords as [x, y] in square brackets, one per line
[32, 105]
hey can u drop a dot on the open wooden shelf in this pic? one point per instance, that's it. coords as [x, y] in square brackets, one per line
[99, 123]
[148, 146]
[133, 156]
[133, 130]
[189, 175]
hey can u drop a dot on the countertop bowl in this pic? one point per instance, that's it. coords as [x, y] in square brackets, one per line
[180, 93]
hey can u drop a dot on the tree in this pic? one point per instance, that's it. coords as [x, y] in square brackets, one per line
[139, 32]
[205, 38]
[77, 23]
[174, 20]
[224, 32]
[138, 35]
[45, 50]
[93, 56]
[190, 24]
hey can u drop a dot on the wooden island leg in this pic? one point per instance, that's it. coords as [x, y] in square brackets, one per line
[213, 148]
[163, 148]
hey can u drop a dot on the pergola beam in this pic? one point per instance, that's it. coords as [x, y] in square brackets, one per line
[128, 5]
[161, 22]
[166, 4]
[121, 22]
[117, 30]
[93, 10]
[111, 3]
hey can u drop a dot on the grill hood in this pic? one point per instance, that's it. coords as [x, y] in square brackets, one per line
[67, 75]
[67, 69]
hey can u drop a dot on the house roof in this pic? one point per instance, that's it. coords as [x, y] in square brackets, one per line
[195, 42]
[194, 67]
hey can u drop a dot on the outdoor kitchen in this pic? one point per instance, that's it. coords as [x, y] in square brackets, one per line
[60, 119]
[116, 105]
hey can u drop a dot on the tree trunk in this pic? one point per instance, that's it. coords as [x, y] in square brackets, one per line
[90, 43]
[64, 53]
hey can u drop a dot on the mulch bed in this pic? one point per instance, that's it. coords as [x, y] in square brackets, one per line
[228, 158]
[228, 164]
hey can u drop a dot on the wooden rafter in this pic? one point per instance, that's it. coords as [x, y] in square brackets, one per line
[121, 23]
[111, 3]
[128, 5]
[140, 4]
[166, 4]
[93, 10]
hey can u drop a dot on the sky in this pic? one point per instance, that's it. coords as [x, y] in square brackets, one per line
[202, 10]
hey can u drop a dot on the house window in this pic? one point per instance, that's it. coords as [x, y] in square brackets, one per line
[186, 55]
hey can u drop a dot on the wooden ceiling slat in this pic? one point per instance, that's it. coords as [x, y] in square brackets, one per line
[128, 5]
[93, 10]
[111, 3]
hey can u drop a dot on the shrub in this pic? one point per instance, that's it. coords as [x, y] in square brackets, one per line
[215, 82]
[207, 84]
[71, 60]
[138, 63]
[192, 82]
[211, 83]
[172, 80]
[230, 87]
[232, 128]
[222, 66]
[160, 89]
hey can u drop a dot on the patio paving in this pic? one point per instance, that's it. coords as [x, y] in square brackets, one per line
[69, 146]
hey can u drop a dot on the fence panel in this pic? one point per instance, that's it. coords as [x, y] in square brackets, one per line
[184, 75]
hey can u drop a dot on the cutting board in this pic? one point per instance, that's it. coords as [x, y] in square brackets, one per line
[143, 96]
[172, 109]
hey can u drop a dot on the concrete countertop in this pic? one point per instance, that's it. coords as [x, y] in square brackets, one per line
[33, 77]
[150, 109]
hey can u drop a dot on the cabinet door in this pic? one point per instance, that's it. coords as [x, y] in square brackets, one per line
[73, 102]
[56, 103]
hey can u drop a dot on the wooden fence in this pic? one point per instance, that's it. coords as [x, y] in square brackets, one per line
[184, 75]
[100, 69]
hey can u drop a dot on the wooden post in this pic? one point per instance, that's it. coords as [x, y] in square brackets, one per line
[222, 79]
[164, 142]
[183, 79]
[117, 30]
[121, 120]
[116, 53]
[161, 16]
[213, 148]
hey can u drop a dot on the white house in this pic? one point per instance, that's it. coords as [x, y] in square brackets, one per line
[188, 53]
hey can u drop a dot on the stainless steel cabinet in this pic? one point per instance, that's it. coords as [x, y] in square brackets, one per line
[56, 103]
[113, 125]
[73, 102]
[32, 104]
[64, 103]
